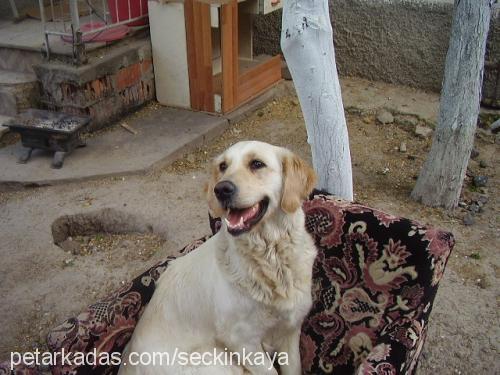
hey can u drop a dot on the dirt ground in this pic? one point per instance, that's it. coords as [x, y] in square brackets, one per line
[42, 284]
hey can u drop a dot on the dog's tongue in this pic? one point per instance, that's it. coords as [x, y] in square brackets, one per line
[237, 218]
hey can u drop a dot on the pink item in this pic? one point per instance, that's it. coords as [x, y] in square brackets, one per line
[107, 35]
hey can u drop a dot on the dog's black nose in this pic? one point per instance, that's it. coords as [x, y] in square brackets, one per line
[224, 191]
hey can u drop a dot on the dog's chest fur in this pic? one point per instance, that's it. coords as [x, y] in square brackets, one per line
[274, 269]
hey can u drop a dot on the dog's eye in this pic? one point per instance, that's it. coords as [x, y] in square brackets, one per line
[256, 164]
[222, 166]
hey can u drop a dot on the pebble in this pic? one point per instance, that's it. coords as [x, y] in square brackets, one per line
[385, 117]
[423, 131]
[480, 181]
[483, 164]
[495, 127]
[474, 153]
[126, 244]
[402, 147]
[285, 73]
[70, 246]
[69, 262]
[482, 199]
[469, 220]
[406, 120]
[475, 208]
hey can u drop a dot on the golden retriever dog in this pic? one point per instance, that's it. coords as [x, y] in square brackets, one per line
[248, 288]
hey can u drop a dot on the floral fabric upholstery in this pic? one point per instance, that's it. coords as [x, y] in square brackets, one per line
[375, 279]
[18, 370]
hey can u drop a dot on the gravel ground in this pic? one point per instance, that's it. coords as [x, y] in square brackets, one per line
[39, 289]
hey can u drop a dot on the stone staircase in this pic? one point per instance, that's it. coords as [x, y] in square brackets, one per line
[19, 87]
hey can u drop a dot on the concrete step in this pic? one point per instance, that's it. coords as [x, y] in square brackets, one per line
[20, 60]
[12, 77]
[3, 129]
[18, 91]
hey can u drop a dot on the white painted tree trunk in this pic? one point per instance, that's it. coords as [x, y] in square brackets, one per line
[441, 178]
[307, 43]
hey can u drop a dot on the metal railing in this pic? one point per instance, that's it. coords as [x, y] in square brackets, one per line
[64, 19]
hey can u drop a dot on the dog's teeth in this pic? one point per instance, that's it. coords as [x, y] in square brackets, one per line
[227, 222]
[240, 224]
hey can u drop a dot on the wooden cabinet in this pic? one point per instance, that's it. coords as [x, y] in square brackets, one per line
[216, 54]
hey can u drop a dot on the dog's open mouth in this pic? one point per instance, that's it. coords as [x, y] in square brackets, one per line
[241, 220]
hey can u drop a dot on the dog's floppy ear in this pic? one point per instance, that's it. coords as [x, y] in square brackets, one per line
[298, 182]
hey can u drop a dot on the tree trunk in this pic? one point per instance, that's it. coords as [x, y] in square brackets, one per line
[307, 44]
[441, 178]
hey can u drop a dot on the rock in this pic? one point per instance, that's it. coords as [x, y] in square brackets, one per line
[285, 72]
[402, 147]
[482, 200]
[126, 244]
[423, 131]
[354, 111]
[469, 220]
[474, 153]
[483, 191]
[191, 158]
[480, 181]
[495, 127]
[475, 208]
[483, 164]
[385, 117]
[385, 171]
[70, 246]
[406, 120]
[68, 262]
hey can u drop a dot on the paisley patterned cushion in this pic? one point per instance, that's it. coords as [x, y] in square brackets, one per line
[375, 279]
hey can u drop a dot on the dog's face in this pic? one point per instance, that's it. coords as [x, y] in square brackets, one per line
[251, 180]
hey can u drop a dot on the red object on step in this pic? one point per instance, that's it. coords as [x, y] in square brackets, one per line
[119, 10]
[107, 35]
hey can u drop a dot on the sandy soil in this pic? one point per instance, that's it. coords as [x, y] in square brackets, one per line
[41, 284]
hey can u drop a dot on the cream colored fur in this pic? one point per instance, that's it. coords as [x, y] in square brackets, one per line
[247, 292]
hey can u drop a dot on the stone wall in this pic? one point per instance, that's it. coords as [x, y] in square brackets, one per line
[113, 83]
[491, 85]
[396, 41]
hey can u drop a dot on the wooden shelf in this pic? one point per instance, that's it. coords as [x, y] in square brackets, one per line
[222, 72]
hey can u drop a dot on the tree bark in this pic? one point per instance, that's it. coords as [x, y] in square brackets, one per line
[307, 44]
[441, 178]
